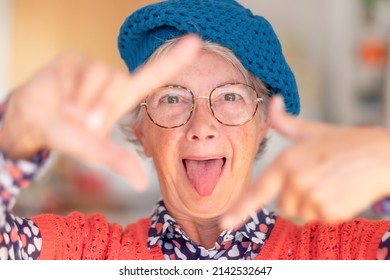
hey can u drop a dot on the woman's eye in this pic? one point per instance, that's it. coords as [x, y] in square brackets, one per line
[170, 99]
[173, 99]
[231, 97]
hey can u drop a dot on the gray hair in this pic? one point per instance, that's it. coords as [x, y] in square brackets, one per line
[133, 118]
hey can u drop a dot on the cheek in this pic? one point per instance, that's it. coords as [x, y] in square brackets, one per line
[249, 139]
[161, 143]
[154, 139]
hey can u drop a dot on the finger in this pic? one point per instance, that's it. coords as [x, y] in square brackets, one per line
[68, 68]
[149, 77]
[343, 195]
[302, 177]
[125, 92]
[100, 152]
[100, 121]
[92, 82]
[288, 201]
[164, 68]
[264, 190]
[285, 124]
[330, 208]
[308, 211]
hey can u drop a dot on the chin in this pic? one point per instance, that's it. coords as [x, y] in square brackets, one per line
[210, 206]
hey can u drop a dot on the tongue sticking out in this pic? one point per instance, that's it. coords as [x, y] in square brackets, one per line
[204, 174]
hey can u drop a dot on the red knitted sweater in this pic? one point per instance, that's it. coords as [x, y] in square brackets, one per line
[91, 237]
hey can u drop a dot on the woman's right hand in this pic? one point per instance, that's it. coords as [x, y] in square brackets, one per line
[329, 173]
[72, 104]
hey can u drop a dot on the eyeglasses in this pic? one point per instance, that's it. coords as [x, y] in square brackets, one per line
[231, 104]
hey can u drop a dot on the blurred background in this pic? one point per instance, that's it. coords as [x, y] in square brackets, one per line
[338, 50]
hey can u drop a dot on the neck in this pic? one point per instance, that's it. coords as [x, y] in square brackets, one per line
[204, 233]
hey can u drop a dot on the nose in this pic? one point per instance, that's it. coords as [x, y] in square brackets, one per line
[202, 125]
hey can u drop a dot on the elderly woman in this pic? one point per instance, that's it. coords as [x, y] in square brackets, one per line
[203, 121]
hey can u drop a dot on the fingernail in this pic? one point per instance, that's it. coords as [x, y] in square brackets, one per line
[94, 120]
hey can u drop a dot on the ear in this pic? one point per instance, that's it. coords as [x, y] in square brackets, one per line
[140, 135]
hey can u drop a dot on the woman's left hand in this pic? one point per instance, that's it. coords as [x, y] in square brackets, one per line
[71, 105]
[330, 173]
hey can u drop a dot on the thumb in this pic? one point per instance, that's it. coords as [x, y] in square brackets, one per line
[283, 123]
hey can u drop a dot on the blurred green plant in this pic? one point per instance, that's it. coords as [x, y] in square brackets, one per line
[369, 4]
[369, 7]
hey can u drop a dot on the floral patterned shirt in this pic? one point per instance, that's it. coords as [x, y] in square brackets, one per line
[244, 243]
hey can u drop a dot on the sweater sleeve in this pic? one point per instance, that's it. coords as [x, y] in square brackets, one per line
[19, 237]
[78, 237]
[357, 239]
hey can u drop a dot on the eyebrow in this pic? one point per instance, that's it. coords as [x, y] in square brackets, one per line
[235, 81]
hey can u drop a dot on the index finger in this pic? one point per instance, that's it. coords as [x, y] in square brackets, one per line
[130, 90]
[162, 69]
[266, 187]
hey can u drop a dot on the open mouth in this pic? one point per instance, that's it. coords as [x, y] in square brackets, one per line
[204, 174]
[223, 161]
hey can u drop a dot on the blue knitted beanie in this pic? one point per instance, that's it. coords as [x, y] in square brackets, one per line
[225, 22]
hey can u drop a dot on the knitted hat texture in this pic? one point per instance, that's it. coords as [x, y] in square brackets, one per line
[250, 37]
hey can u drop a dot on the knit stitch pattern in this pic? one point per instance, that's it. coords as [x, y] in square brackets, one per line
[77, 236]
[355, 240]
[225, 22]
[80, 237]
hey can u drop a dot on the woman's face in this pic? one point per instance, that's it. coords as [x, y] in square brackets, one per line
[203, 167]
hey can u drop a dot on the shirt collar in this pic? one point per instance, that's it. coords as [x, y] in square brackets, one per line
[163, 225]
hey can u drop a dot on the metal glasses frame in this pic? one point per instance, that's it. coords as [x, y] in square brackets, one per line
[258, 99]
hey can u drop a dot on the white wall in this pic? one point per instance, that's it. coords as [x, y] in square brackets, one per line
[5, 6]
